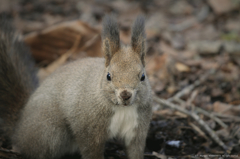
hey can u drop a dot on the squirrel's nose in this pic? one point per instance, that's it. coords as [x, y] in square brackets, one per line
[126, 95]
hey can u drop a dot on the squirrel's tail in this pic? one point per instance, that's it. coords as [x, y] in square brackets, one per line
[17, 77]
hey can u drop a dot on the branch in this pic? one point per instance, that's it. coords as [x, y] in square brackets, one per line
[210, 115]
[195, 117]
[189, 88]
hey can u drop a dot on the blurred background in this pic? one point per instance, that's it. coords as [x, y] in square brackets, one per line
[193, 61]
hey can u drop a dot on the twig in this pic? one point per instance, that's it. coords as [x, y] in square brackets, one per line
[189, 88]
[234, 133]
[210, 115]
[159, 155]
[191, 99]
[202, 15]
[90, 42]
[234, 118]
[195, 117]
[5, 153]
[237, 107]
[201, 133]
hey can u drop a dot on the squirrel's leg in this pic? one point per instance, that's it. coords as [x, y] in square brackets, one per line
[92, 147]
[93, 152]
[135, 149]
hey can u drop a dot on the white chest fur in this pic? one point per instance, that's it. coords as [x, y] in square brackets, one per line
[123, 123]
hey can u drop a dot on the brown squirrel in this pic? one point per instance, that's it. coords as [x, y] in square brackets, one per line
[80, 106]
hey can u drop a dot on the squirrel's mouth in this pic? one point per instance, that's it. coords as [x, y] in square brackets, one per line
[122, 100]
[126, 103]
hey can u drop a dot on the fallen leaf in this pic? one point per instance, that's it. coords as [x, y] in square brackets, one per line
[226, 109]
[182, 67]
[51, 43]
[223, 6]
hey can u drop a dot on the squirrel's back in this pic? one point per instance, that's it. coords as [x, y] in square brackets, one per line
[17, 77]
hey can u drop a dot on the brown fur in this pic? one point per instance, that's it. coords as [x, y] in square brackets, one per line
[78, 109]
[17, 77]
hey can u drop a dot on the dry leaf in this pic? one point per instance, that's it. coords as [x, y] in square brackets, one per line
[223, 6]
[49, 44]
[155, 63]
[182, 67]
[226, 109]
[171, 89]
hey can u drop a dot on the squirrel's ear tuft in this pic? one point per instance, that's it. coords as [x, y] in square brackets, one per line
[138, 38]
[110, 38]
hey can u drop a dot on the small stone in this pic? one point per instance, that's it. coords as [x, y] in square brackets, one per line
[182, 67]
[223, 6]
[232, 47]
[181, 7]
[205, 47]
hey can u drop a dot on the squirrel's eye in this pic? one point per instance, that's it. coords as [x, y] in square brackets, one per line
[143, 77]
[108, 77]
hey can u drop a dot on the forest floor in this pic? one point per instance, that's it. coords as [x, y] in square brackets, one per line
[193, 64]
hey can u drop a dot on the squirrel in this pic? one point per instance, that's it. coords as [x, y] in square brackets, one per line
[83, 104]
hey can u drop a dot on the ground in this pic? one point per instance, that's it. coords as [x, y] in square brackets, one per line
[193, 61]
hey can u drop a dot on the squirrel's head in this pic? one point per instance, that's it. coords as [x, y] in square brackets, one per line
[124, 79]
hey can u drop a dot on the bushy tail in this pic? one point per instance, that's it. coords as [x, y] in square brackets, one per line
[17, 77]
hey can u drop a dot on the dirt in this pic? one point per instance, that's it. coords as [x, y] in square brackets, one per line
[186, 40]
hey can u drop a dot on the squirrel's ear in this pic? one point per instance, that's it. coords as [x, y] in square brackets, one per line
[138, 38]
[110, 38]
